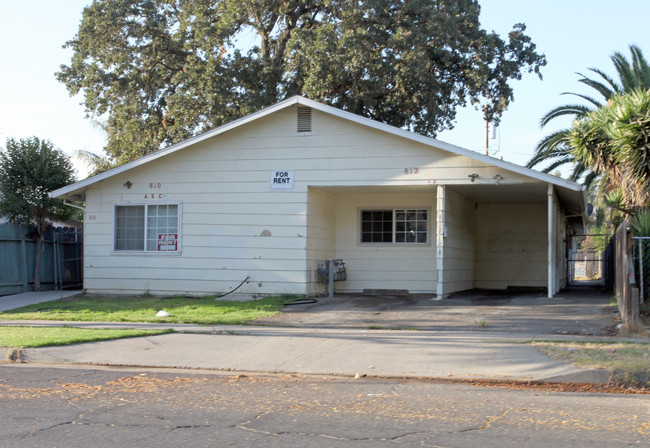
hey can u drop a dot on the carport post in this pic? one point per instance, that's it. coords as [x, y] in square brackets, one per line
[440, 242]
[551, 242]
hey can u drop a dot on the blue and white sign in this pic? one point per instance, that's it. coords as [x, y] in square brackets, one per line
[282, 180]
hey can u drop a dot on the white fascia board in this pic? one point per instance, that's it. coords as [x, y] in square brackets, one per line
[76, 187]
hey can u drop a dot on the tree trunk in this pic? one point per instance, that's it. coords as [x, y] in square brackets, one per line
[37, 261]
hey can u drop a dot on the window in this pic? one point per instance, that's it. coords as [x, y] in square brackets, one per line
[148, 228]
[394, 226]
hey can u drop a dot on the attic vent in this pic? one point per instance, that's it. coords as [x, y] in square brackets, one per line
[304, 119]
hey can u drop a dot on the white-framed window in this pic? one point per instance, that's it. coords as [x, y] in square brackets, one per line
[398, 226]
[147, 228]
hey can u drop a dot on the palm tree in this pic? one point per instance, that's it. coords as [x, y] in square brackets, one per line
[95, 163]
[555, 148]
[614, 143]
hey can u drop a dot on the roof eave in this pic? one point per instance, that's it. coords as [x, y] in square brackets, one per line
[77, 189]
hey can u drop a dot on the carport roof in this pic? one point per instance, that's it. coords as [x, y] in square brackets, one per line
[571, 194]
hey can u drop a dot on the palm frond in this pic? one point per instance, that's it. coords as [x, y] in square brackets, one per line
[577, 110]
[558, 163]
[598, 86]
[552, 141]
[96, 163]
[590, 178]
[592, 100]
[554, 149]
[641, 67]
[615, 87]
[625, 71]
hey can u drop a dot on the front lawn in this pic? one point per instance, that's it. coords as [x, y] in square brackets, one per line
[202, 311]
[46, 336]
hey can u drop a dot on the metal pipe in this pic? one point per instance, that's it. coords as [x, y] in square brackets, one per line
[641, 269]
[73, 205]
[331, 277]
[55, 252]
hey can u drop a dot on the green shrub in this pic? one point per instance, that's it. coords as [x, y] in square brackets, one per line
[640, 223]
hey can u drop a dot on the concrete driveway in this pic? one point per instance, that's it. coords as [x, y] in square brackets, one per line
[573, 312]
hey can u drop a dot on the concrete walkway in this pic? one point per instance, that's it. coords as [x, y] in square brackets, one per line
[29, 298]
[430, 354]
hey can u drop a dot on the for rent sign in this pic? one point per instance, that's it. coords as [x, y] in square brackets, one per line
[281, 180]
[167, 242]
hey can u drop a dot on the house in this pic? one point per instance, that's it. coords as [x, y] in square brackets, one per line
[262, 199]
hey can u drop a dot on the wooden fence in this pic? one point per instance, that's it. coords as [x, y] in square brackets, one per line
[627, 294]
[61, 259]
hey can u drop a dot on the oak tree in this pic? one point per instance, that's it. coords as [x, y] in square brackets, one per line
[158, 71]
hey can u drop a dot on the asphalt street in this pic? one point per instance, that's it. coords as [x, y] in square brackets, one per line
[104, 407]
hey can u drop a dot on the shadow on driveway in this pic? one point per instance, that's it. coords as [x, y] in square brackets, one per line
[572, 311]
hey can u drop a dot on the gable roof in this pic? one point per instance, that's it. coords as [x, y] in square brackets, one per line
[77, 188]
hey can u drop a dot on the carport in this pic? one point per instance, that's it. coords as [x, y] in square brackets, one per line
[482, 235]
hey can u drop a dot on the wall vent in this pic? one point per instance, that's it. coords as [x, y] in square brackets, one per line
[304, 119]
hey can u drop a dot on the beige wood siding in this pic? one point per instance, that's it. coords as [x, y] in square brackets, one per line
[234, 226]
[384, 265]
[460, 243]
[511, 245]
[321, 235]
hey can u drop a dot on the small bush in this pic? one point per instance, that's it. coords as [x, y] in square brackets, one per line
[640, 223]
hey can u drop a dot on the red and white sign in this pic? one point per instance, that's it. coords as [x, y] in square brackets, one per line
[167, 242]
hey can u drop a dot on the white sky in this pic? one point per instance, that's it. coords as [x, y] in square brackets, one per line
[574, 34]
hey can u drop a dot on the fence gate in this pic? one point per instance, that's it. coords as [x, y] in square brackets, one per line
[587, 259]
[68, 258]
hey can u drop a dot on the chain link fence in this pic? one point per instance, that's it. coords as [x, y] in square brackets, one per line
[641, 250]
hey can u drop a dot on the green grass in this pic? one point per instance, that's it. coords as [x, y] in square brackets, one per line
[48, 336]
[202, 311]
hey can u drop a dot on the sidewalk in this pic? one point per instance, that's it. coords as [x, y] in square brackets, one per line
[440, 354]
[29, 298]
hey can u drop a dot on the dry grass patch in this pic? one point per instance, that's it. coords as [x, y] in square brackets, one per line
[628, 361]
